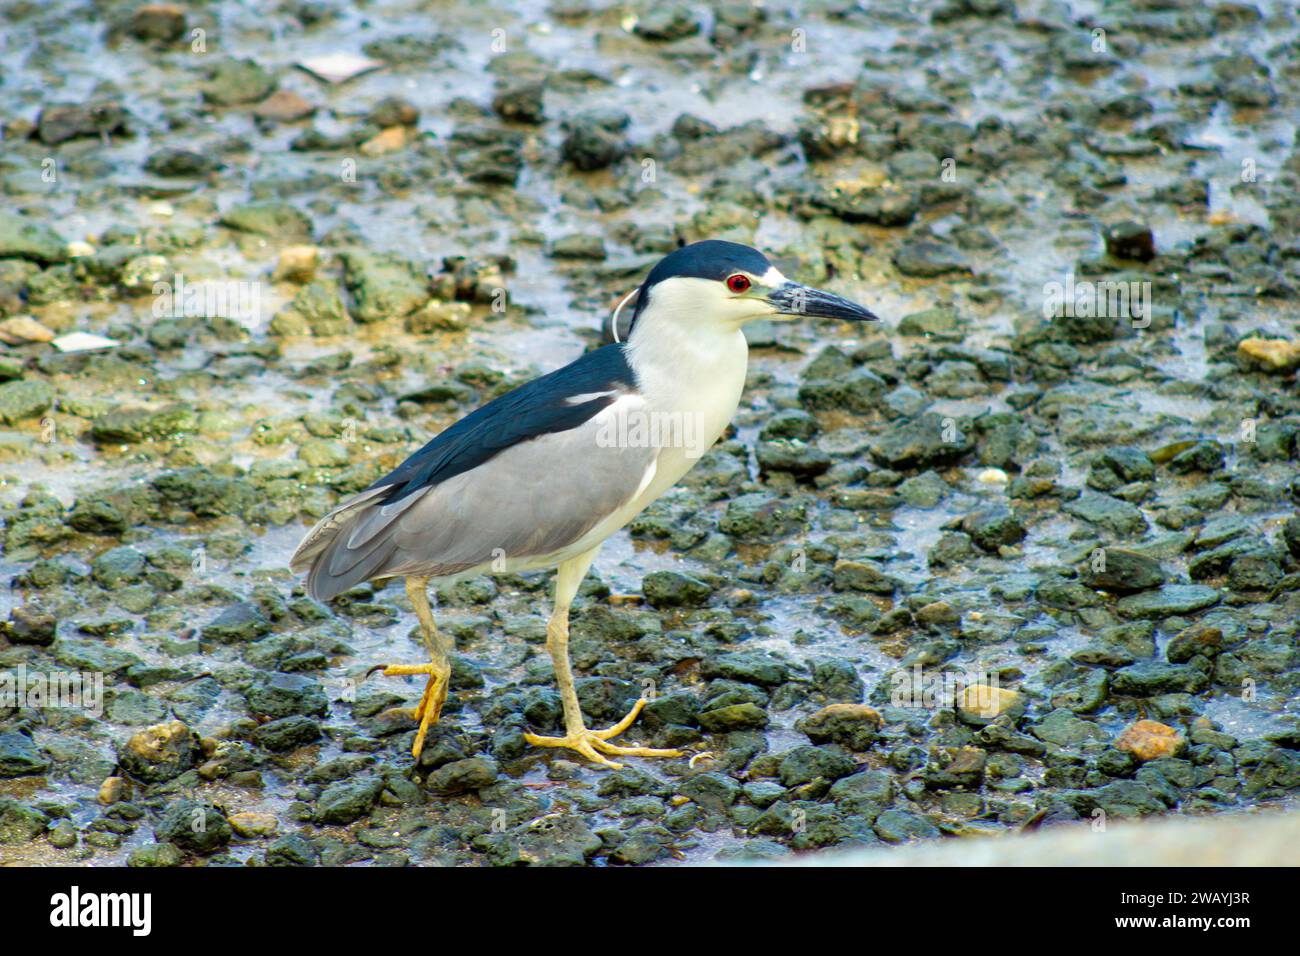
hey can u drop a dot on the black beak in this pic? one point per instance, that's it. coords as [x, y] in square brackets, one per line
[795, 299]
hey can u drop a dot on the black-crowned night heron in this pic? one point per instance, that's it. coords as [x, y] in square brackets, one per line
[541, 476]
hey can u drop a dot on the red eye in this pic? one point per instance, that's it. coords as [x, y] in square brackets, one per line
[737, 283]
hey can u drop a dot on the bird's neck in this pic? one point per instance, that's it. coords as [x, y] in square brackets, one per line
[684, 363]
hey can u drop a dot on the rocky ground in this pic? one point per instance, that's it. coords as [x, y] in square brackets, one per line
[1095, 512]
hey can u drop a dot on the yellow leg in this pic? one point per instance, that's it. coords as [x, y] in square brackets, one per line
[438, 669]
[592, 744]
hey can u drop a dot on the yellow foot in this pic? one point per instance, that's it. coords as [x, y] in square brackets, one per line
[435, 695]
[594, 744]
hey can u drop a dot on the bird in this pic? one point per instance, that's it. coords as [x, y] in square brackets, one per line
[541, 476]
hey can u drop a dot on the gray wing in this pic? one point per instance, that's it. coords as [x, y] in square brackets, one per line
[530, 500]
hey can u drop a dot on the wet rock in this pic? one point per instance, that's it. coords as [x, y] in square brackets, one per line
[852, 725]
[642, 845]
[95, 655]
[863, 576]
[292, 849]
[20, 822]
[63, 835]
[95, 515]
[1199, 639]
[459, 776]
[758, 515]
[857, 390]
[488, 155]
[1167, 601]
[805, 764]
[869, 202]
[980, 704]
[1063, 728]
[253, 825]
[162, 752]
[745, 666]
[23, 329]
[792, 424]
[98, 119]
[156, 854]
[993, 528]
[284, 106]
[927, 258]
[865, 793]
[742, 716]
[594, 141]
[578, 246]
[1204, 456]
[22, 400]
[713, 791]
[1291, 535]
[951, 550]
[181, 163]
[117, 568]
[157, 23]
[133, 425]
[284, 695]
[232, 81]
[393, 111]
[900, 826]
[24, 238]
[674, 589]
[1272, 355]
[941, 323]
[29, 624]
[1250, 564]
[277, 221]
[926, 441]
[955, 767]
[1150, 740]
[20, 756]
[1125, 799]
[1244, 81]
[382, 286]
[792, 457]
[348, 800]
[838, 680]
[1131, 240]
[323, 453]
[1119, 466]
[1084, 693]
[520, 102]
[194, 826]
[1118, 517]
[664, 24]
[316, 308]
[1149, 678]
[554, 840]
[287, 733]
[1122, 571]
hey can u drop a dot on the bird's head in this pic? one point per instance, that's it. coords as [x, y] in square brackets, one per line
[725, 284]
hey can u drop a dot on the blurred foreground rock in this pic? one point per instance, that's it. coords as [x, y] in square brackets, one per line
[1247, 839]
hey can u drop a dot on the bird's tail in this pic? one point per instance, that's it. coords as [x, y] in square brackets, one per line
[334, 561]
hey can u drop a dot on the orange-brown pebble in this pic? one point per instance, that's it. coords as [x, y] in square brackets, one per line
[1149, 739]
[861, 712]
